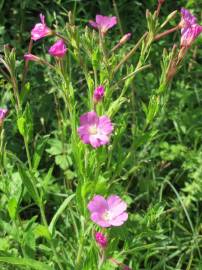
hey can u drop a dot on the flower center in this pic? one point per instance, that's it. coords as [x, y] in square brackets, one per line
[107, 216]
[92, 130]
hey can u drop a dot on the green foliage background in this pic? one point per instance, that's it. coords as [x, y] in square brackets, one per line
[165, 186]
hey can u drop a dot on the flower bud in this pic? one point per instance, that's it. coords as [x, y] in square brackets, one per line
[98, 94]
[101, 239]
[3, 114]
[125, 38]
[31, 57]
[58, 49]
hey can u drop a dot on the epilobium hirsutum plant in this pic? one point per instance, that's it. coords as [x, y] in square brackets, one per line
[74, 175]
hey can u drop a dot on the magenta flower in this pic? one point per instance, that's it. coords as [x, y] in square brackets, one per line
[3, 114]
[95, 130]
[101, 239]
[98, 93]
[58, 49]
[190, 29]
[109, 212]
[31, 57]
[103, 23]
[40, 30]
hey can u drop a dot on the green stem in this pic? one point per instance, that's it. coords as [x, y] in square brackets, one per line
[79, 257]
[131, 52]
[28, 153]
[117, 15]
[103, 50]
[43, 216]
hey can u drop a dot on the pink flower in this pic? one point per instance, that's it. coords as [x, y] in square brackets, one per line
[103, 23]
[190, 29]
[109, 212]
[3, 114]
[101, 239]
[95, 130]
[98, 93]
[58, 49]
[31, 57]
[40, 30]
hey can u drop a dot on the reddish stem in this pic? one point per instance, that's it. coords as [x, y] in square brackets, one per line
[167, 32]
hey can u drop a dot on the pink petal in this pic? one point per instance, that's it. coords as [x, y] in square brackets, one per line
[42, 18]
[116, 205]
[105, 125]
[103, 139]
[118, 221]
[94, 141]
[105, 22]
[84, 136]
[187, 16]
[97, 218]
[93, 24]
[89, 118]
[100, 19]
[98, 204]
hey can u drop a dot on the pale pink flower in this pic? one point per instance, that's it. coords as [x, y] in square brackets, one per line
[190, 29]
[95, 130]
[58, 49]
[98, 93]
[3, 114]
[103, 23]
[40, 30]
[108, 212]
[101, 239]
[31, 57]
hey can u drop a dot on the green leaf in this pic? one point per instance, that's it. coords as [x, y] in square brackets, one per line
[29, 184]
[56, 147]
[12, 208]
[38, 152]
[62, 161]
[59, 212]
[42, 231]
[115, 106]
[21, 125]
[29, 122]
[26, 262]
[25, 91]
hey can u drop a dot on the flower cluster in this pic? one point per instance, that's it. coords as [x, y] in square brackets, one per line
[95, 129]
[41, 30]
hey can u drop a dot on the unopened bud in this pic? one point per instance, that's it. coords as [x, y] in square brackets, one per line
[3, 114]
[148, 13]
[101, 239]
[31, 57]
[98, 94]
[169, 18]
[125, 38]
